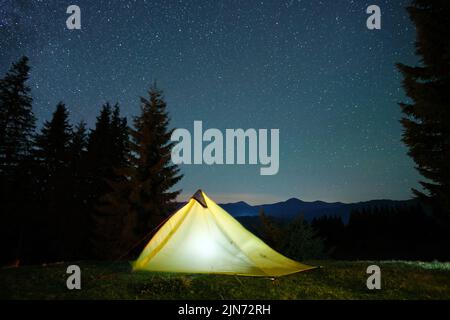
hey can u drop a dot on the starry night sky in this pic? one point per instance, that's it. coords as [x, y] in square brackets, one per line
[310, 68]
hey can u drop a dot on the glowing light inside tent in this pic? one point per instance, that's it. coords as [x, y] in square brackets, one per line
[203, 246]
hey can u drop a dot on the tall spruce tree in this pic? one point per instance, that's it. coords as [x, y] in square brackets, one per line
[120, 139]
[78, 148]
[427, 117]
[17, 124]
[301, 241]
[108, 157]
[78, 217]
[271, 231]
[54, 142]
[100, 155]
[154, 175]
[144, 196]
[78, 163]
[108, 148]
[53, 148]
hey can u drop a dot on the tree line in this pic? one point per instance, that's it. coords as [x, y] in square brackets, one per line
[372, 233]
[69, 192]
[405, 232]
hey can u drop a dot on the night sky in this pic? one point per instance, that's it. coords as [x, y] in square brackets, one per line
[309, 68]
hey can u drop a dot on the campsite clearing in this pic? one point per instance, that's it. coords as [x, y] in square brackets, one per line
[336, 280]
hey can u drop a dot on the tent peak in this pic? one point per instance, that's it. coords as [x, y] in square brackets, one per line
[198, 196]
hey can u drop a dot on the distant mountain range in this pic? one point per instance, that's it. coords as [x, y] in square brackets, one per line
[291, 208]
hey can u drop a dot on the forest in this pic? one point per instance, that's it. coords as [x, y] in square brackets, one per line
[373, 233]
[72, 193]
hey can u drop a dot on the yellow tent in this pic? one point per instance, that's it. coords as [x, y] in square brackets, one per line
[203, 238]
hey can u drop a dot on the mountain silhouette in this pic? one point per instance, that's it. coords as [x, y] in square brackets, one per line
[293, 207]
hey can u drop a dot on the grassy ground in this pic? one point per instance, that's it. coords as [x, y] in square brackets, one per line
[336, 280]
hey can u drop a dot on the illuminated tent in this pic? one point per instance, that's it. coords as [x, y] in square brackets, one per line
[203, 238]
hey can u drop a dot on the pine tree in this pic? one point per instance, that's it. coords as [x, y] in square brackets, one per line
[114, 222]
[108, 159]
[120, 139]
[78, 220]
[332, 230]
[301, 242]
[271, 232]
[100, 155]
[108, 149]
[53, 146]
[427, 118]
[78, 165]
[53, 143]
[154, 175]
[17, 122]
[78, 148]
[143, 197]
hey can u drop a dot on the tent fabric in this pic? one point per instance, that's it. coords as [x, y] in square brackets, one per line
[204, 238]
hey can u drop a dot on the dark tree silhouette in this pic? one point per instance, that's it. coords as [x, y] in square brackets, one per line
[54, 141]
[53, 151]
[120, 135]
[403, 232]
[427, 117]
[108, 149]
[144, 195]
[78, 147]
[108, 156]
[154, 175]
[78, 220]
[331, 230]
[271, 231]
[296, 239]
[301, 241]
[17, 124]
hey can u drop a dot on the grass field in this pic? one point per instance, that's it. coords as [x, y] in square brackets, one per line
[335, 280]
